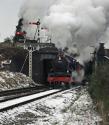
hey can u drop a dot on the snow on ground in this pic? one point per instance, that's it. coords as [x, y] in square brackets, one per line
[10, 80]
[1, 79]
[67, 108]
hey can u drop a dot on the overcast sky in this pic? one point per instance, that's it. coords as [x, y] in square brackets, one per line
[9, 10]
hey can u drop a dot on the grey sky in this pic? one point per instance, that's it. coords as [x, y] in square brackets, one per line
[9, 10]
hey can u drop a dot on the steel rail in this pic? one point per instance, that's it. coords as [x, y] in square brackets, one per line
[4, 106]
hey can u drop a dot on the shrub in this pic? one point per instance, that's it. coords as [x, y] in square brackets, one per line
[99, 88]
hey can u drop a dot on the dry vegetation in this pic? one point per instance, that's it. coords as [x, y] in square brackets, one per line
[99, 90]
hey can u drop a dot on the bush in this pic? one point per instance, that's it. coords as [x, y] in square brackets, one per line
[99, 88]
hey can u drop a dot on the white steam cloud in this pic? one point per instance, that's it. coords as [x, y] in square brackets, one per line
[82, 21]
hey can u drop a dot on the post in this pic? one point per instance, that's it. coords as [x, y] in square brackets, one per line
[37, 31]
[35, 34]
[38, 34]
[30, 63]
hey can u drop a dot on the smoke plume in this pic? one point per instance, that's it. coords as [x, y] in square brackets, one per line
[82, 21]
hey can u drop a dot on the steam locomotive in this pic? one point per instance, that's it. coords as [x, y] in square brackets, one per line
[65, 70]
[50, 65]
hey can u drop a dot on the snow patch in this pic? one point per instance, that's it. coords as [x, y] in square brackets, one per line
[14, 80]
[1, 79]
[70, 108]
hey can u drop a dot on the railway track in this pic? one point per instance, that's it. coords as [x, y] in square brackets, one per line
[20, 90]
[17, 101]
[18, 95]
[9, 104]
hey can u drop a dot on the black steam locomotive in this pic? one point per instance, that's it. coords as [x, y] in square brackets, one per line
[65, 69]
